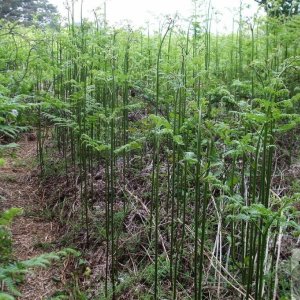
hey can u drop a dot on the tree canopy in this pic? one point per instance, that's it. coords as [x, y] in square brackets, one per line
[25, 11]
[276, 8]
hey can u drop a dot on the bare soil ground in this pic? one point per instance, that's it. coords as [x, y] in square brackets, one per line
[33, 233]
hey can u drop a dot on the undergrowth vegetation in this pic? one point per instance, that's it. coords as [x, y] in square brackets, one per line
[171, 158]
[13, 272]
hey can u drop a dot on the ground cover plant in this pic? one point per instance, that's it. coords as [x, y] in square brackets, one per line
[175, 154]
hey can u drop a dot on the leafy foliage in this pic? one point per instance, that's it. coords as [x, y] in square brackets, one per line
[26, 11]
[11, 273]
[279, 8]
[181, 141]
[5, 237]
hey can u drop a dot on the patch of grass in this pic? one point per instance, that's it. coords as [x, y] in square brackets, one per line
[44, 246]
[296, 186]
[46, 214]
[20, 163]
[2, 162]
[7, 177]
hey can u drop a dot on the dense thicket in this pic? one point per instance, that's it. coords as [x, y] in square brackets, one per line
[179, 151]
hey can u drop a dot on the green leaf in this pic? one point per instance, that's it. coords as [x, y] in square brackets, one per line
[7, 216]
[4, 296]
[160, 122]
[178, 139]
[96, 145]
[129, 147]
[190, 157]
[2, 162]
[9, 146]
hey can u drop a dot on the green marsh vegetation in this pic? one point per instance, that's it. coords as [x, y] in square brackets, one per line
[179, 149]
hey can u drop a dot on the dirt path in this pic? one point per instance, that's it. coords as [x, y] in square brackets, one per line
[33, 233]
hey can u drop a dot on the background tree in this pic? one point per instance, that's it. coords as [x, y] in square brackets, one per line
[276, 8]
[26, 11]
